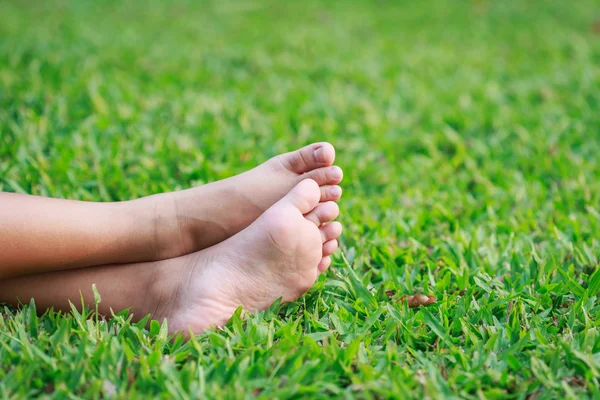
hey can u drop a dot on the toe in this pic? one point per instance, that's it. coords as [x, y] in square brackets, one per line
[330, 231]
[326, 176]
[330, 247]
[304, 196]
[324, 212]
[324, 264]
[330, 193]
[306, 159]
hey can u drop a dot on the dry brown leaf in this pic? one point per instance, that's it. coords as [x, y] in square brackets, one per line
[417, 300]
[576, 381]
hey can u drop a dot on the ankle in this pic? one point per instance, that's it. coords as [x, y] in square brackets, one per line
[207, 215]
[162, 289]
[155, 220]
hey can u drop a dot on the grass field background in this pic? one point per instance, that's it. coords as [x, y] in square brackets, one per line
[469, 132]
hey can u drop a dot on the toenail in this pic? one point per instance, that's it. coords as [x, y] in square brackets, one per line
[335, 191]
[336, 173]
[319, 155]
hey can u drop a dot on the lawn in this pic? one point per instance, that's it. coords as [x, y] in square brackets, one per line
[469, 132]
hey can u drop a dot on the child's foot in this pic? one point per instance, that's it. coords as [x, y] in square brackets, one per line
[197, 218]
[279, 255]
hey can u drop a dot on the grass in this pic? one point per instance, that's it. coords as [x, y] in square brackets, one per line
[469, 132]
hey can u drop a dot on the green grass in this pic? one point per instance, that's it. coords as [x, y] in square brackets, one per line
[469, 132]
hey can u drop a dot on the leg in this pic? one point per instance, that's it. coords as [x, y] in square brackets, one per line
[121, 286]
[279, 255]
[41, 235]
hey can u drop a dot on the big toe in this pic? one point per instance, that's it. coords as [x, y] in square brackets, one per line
[304, 196]
[310, 157]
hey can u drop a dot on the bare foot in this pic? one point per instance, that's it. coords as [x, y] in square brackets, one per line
[279, 255]
[194, 219]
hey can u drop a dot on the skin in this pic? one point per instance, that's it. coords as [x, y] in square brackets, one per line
[192, 257]
[280, 255]
[41, 235]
